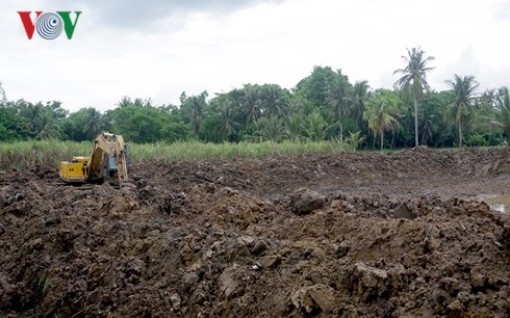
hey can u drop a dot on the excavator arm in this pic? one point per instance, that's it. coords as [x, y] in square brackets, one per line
[107, 146]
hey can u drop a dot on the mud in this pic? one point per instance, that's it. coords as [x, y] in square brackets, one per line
[351, 235]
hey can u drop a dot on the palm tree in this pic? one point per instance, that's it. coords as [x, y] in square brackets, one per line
[274, 100]
[337, 99]
[251, 103]
[125, 101]
[463, 88]
[197, 115]
[315, 126]
[227, 114]
[92, 122]
[271, 128]
[355, 140]
[295, 126]
[429, 127]
[197, 105]
[358, 99]
[381, 116]
[503, 112]
[487, 100]
[413, 80]
[3, 97]
[49, 128]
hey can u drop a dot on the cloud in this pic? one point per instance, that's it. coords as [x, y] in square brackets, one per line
[467, 63]
[503, 11]
[134, 13]
[160, 48]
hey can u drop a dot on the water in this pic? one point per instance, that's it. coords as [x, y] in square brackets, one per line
[497, 202]
[498, 207]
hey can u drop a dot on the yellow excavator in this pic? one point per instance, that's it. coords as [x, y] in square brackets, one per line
[109, 159]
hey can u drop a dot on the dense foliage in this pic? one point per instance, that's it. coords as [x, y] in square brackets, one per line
[323, 106]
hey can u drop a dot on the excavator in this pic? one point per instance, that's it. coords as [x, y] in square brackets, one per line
[109, 159]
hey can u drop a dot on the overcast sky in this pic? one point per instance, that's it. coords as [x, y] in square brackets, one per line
[159, 48]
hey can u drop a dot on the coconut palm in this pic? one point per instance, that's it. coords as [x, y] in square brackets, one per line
[460, 108]
[125, 101]
[487, 100]
[355, 140]
[359, 95]
[274, 100]
[251, 103]
[337, 100]
[3, 97]
[381, 116]
[315, 126]
[196, 105]
[295, 124]
[271, 128]
[503, 112]
[229, 125]
[413, 81]
[49, 128]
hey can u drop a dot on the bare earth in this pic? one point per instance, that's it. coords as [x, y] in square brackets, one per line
[351, 235]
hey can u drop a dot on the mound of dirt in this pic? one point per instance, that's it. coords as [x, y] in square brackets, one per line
[227, 239]
[397, 172]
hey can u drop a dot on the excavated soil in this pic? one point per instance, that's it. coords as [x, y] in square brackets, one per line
[350, 235]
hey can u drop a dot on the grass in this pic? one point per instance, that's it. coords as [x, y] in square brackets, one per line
[197, 150]
[25, 153]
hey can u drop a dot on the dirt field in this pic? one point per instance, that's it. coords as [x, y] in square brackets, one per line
[352, 235]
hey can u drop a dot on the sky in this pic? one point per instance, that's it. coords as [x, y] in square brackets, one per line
[159, 48]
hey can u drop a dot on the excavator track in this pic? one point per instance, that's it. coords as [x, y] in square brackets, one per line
[85, 186]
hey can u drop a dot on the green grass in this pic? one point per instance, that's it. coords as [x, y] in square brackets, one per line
[198, 150]
[28, 153]
[25, 153]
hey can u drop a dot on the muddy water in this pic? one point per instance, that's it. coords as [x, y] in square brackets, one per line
[497, 202]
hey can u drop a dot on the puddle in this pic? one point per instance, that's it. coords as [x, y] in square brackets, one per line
[497, 202]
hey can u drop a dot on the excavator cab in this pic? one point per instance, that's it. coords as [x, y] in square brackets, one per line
[111, 166]
[111, 163]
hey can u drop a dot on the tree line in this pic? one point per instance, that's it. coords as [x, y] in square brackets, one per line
[325, 105]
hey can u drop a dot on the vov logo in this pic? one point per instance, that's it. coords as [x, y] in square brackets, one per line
[49, 25]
